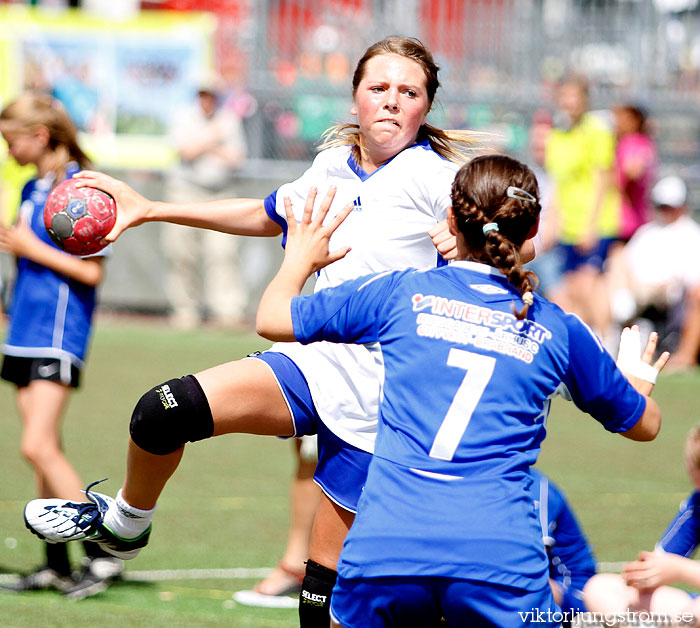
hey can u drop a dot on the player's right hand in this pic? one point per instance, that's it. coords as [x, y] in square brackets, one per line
[132, 207]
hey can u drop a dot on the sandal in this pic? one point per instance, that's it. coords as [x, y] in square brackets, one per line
[279, 599]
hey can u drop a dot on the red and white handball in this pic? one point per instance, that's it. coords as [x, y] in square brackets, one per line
[77, 219]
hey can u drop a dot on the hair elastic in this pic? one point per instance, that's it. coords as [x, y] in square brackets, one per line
[490, 226]
[528, 298]
[520, 194]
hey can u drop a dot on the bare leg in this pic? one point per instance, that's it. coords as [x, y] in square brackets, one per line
[561, 294]
[328, 534]
[590, 298]
[146, 475]
[304, 496]
[41, 405]
[686, 355]
[244, 398]
[241, 396]
[330, 529]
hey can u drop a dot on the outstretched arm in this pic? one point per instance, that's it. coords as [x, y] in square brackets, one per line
[239, 216]
[306, 252]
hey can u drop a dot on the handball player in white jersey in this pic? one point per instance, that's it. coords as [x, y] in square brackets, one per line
[396, 171]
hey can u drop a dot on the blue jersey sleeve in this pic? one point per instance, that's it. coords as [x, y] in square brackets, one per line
[347, 313]
[297, 191]
[683, 533]
[595, 383]
[270, 204]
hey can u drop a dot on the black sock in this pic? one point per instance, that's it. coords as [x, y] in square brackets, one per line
[93, 550]
[57, 558]
[315, 596]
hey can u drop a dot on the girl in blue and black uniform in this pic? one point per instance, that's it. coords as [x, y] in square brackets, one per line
[50, 320]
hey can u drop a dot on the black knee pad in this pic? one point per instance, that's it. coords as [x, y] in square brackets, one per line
[170, 415]
[315, 597]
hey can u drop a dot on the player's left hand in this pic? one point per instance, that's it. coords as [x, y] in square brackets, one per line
[444, 241]
[639, 370]
[18, 239]
[308, 241]
[654, 569]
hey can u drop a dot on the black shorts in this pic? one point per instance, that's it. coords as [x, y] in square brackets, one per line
[21, 371]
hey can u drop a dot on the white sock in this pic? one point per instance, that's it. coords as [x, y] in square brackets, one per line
[126, 521]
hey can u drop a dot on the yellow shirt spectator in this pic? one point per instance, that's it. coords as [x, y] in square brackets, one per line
[572, 159]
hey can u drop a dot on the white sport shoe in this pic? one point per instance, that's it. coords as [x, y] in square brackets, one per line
[60, 521]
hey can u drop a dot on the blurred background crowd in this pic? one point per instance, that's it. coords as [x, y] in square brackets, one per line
[601, 96]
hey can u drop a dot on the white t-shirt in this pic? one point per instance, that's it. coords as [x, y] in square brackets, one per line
[223, 128]
[395, 207]
[665, 255]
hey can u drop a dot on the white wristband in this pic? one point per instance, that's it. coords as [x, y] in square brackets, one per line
[641, 370]
[629, 360]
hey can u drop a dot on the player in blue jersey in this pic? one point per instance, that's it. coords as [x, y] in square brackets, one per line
[446, 524]
[571, 561]
[396, 171]
[50, 321]
[643, 587]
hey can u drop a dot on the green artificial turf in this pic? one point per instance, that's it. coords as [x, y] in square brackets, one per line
[227, 505]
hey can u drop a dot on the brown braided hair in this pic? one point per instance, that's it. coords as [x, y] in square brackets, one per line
[479, 197]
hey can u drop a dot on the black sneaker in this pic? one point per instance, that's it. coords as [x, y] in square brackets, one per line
[96, 576]
[42, 579]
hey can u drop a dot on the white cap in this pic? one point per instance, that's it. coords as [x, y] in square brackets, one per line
[210, 83]
[670, 191]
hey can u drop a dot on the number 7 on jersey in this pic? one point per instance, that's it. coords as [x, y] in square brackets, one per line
[479, 371]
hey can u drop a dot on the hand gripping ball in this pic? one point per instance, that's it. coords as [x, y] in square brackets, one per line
[77, 219]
